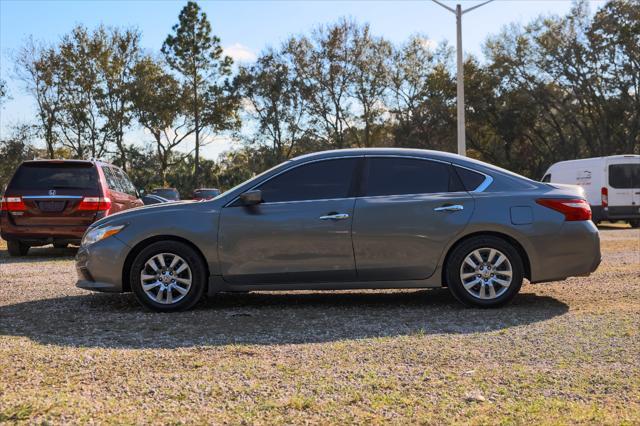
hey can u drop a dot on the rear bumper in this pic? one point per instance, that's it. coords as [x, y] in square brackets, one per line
[614, 213]
[99, 266]
[40, 234]
[573, 252]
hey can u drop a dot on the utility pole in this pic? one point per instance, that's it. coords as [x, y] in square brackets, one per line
[462, 144]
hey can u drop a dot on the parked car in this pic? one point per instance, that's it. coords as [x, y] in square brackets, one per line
[205, 193]
[350, 219]
[54, 201]
[149, 199]
[611, 185]
[168, 193]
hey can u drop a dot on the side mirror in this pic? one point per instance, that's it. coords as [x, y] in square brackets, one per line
[251, 198]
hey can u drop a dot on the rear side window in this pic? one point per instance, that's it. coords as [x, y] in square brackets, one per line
[111, 179]
[46, 176]
[470, 180]
[624, 176]
[125, 182]
[397, 176]
[326, 179]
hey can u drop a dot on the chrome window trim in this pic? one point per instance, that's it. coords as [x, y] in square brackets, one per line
[488, 180]
[481, 188]
[29, 197]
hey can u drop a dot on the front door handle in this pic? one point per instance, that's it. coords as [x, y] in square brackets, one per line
[449, 208]
[335, 216]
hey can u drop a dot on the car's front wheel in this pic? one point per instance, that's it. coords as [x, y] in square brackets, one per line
[485, 272]
[168, 276]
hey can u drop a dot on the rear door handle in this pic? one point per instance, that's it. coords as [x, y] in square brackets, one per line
[451, 208]
[335, 216]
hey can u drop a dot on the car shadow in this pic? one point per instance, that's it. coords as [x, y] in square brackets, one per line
[40, 254]
[117, 321]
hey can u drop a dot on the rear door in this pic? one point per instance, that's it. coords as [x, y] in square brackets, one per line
[52, 193]
[624, 182]
[408, 214]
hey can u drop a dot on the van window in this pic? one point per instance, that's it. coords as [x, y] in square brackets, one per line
[624, 176]
[546, 178]
[45, 176]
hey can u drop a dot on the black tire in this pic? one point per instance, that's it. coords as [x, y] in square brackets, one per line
[635, 223]
[60, 245]
[190, 256]
[17, 248]
[454, 264]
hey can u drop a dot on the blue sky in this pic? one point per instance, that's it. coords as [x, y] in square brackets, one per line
[246, 27]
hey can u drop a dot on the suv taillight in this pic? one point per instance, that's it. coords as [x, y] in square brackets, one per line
[12, 204]
[573, 209]
[604, 196]
[95, 203]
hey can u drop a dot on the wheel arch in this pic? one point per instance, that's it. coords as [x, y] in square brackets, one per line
[126, 284]
[521, 251]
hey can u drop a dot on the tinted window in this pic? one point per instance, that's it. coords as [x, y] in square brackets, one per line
[110, 177]
[168, 193]
[624, 176]
[470, 179]
[395, 176]
[315, 181]
[45, 176]
[125, 182]
[546, 178]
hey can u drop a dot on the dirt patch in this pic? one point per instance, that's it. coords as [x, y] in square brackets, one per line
[562, 352]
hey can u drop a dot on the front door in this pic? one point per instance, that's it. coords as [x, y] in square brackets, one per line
[301, 232]
[411, 209]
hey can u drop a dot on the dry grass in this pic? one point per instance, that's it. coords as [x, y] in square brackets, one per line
[563, 352]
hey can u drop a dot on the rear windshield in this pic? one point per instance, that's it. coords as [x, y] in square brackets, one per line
[624, 176]
[171, 194]
[45, 176]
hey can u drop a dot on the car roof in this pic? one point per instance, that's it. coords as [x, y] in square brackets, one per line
[72, 161]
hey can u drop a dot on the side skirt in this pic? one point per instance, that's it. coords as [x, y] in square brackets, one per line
[218, 285]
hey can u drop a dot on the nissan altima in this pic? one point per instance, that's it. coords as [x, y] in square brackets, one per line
[349, 219]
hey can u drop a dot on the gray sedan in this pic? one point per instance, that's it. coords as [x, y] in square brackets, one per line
[349, 219]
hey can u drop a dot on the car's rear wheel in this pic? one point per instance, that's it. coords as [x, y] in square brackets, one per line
[168, 276]
[485, 272]
[17, 248]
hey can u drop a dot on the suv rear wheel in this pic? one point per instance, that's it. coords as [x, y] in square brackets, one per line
[17, 248]
[168, 276]
[485, 272]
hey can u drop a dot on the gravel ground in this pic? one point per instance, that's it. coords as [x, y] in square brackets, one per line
[564, 352]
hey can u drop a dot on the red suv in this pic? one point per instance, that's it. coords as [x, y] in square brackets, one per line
[54, 201]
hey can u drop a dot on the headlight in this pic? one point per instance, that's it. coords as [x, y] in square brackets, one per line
[97, 234]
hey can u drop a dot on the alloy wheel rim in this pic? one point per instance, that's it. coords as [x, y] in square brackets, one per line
[166, 278]
[486, 273]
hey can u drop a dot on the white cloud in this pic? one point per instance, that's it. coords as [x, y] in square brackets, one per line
[240, 53]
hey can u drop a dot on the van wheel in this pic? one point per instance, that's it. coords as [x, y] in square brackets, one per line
[17, 248]
[485, 272]
[60, 245]
[168, 276]
[635, 223]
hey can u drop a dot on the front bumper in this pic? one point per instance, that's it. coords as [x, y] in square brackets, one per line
[99, 266]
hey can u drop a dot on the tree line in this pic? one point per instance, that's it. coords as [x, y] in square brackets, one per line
[559, 87]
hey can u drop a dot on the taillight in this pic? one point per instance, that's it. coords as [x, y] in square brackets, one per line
[604, 196]
[12, 204]
[95, 204]
[573, 209]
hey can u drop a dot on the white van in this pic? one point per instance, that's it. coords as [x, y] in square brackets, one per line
[611, 185]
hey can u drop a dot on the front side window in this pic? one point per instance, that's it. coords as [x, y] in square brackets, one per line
[624, 176]
[398, 176]
[326, 179]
